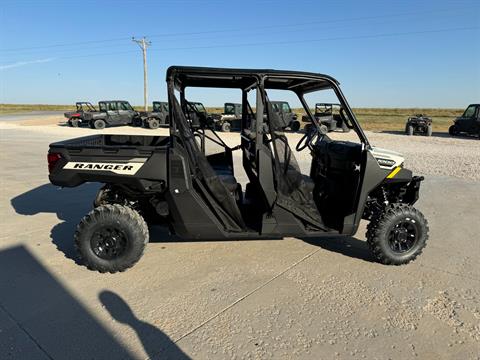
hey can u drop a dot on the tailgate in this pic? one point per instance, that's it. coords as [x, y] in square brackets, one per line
[123, 159]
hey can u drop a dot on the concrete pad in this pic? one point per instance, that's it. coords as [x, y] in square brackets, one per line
[291, 298]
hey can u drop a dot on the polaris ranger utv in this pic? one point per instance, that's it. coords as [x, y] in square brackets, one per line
[286, 115]
[330, 116]
[76, 118]
[111, 113]
[230, 119]
[419, 124]
[156, 118]
[468, 123]
[178, 179]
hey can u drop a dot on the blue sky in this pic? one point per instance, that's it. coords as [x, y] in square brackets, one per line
[423, 53]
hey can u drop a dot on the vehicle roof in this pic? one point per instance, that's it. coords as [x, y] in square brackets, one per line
[185, 76]
[110, 101]
[324, 103]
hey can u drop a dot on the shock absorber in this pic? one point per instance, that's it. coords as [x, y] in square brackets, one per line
[384, 196]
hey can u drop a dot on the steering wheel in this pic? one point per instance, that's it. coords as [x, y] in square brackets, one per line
[311, 133]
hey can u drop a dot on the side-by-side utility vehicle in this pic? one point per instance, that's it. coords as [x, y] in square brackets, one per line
[156, 118]
[186, 180]
[76, 118]
[111, 113]
[468, 123]
[330, 116]
[230, 119]
[288, 119]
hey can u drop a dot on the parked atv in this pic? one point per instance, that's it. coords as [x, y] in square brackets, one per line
[468, 123]
[230, 119]
[75, 118]
[419, 124]
[330, 116]
[178, 181]
[156, 118]
[287, 116]
[111, 113]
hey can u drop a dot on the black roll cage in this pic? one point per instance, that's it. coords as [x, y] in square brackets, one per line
[301, 83]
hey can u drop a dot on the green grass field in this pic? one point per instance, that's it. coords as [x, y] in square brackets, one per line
[375, 119]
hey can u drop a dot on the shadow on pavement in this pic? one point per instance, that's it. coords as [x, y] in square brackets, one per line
[154, 341]
[40, 319]
[69, 204]
[434, 134]
[345, 245]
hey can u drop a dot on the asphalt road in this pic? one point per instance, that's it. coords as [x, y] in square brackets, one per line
[29, 115]
[271, 299]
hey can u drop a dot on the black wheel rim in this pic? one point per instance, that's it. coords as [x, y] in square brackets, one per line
[403, 236]
[108, 243]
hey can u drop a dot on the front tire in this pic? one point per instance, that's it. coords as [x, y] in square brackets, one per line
[137, 122]
[397, 235]
[111, 238]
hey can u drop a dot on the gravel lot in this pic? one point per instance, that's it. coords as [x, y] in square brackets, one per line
[280, 299]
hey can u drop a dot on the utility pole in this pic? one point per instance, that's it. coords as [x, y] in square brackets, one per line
[143, 43]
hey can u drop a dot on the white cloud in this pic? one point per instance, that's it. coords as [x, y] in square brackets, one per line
[23, 63]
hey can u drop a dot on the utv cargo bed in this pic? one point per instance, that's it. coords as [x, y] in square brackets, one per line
[128, 159]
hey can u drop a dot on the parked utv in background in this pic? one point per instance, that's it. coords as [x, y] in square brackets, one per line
[287, 116]
[75, 118]
[155, 118]
[330, 116]
[468, 123]
[419, 124]
[230, 119]
[197, 114]
[111, 113]
[178, 180]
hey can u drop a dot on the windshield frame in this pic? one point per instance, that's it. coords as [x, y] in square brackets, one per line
[340, 96]
[474, 111]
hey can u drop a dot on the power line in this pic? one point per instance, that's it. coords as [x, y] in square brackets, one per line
[323, 39]
[393, 15]
[275, 43]
[291, 42]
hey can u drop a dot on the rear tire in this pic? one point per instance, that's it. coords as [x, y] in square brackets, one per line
[409, 130]
[397, 235]
[226, 127]
[429, 130]
[111, 238]
[323, 129]
[153, 123]
[295, 126]
[99, 124]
